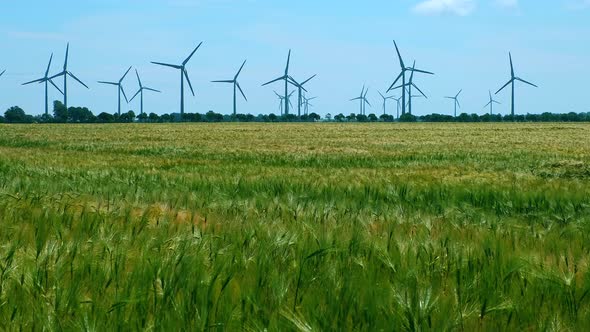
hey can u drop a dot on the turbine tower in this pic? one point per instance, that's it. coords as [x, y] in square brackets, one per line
[183, 75]
[402, 75]
[456, 99]
[512, 80]
[119, 88]
[65, 73]
[385, 101]
[236, 85]
[300, 88]
[45, 79]
[140, 92]
[491, 104]
[285, 77]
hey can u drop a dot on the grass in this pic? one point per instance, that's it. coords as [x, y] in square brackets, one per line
[298, 227]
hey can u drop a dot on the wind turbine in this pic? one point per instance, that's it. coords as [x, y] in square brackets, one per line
[456, 99]
[402, 75]
[236, 85]
[513, 78]
[491, 104]
[398, 100]
[409, 86]
[285, 77]
[307, 104]
[183, 75]
[361, 99]
[140, 91]
[119, 88]
[384, 101]
[45, 79]
[65, 73]
[286, 99]
[300, 88]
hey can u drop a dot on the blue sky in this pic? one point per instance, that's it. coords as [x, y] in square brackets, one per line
[346, 43]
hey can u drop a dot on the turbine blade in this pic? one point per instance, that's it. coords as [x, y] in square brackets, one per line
[2, 73]
[110, 83]
[138, 79]
[124, 95]
[488, 104]
[49, 65]
[357, 98]
[275, 80]
[417, 88]
[189, 82]
[288, 61]
[74, 77]
[309, 79]
[190, 56]
[57, 75]
[458, 103]
[135, 95]
[240, 70]
[420, 71]
[523, 81]
[511, 65]
[499, 103]
[366, 101]
[66, 59]
[457, 95]
[127, 72]
[394, 82]
[401, 61]
[382, 96]
[505, 85]
[35, 81]
[167, 65]
[223, 81]
[240, 88]
[55, 86]
[150, 89]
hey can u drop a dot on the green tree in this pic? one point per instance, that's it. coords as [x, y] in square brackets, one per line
[15, 114]
[60, 112]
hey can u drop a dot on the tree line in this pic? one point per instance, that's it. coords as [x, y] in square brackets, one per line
[60, 114]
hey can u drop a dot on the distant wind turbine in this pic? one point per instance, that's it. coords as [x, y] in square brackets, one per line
[361, 100]
[140, 92]
[491, 104]
[456, 99]
[183, 75]
[45, 79]
[366, 102]
[513, 78]
[285, 78]
[235, 83]
[385, 101]
[300, 90]
[65, 73]
[402, 75]
[398, 101]
[282, 99]
[307, 104]
[119, 86]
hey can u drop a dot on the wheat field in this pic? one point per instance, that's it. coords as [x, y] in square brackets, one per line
[295, 227]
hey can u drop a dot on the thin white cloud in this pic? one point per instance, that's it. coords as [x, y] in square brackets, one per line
[438, 7]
